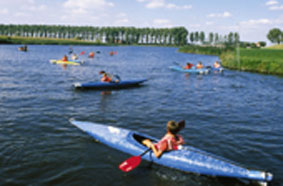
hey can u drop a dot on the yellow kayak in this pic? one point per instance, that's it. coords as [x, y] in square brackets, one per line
[55, 61]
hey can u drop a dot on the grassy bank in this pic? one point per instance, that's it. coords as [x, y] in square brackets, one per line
[279, 47]
[44, 41]
[207, 50]
[267, 61]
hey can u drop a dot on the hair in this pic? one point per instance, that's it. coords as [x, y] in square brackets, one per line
[174, 127]
[102, 72]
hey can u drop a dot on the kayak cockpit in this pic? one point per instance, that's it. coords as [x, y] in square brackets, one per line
[139, 138]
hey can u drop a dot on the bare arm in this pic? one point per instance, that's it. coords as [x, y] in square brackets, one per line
[149, 144]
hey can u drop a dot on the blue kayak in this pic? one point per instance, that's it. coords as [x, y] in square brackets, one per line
[220, 69]
[192, 70]
[109, 85]
[188, 159]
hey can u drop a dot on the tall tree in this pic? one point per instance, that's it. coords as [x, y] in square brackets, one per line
[275, 35]
[192, 37]
[211, 37]
[202, 37]
[196, 36]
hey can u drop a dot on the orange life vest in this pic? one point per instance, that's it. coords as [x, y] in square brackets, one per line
[170, 143]
[106, 79]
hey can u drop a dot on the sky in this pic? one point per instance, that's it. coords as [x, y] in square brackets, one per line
[251, 18]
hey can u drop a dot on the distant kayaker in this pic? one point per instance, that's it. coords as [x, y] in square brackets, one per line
[106, 77]
[216, 64]
[171, 141]
[65, 58]
[199, 65]
[74, 56]
[188, 66]
[111, 53]
[70, 50]
[91, 55]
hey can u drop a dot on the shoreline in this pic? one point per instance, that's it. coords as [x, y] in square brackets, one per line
[52, 41]
[264, 61]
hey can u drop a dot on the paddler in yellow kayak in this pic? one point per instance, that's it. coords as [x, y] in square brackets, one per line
[65, 58]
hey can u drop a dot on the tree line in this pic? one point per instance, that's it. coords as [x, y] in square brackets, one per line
[176, 36]
[109, 35]
[214, 38]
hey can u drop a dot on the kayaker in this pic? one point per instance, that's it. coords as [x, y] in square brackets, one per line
[74, 56]
[70, 50]
[91, 55]
[106, 77]
[171, 141]
[216, 64]
[188, 66]
[65, 58]
[199, 65]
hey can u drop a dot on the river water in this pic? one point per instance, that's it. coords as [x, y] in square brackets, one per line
[236, 115]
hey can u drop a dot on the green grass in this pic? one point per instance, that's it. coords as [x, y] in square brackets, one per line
[267, 61]
[207, 50]
[44, 41]
[279, 47]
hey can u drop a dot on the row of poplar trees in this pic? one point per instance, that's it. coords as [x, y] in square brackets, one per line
[110, 35]
[117, 35]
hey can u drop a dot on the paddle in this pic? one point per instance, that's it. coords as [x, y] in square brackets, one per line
[132, 162]
[117, 77]
[177, 63]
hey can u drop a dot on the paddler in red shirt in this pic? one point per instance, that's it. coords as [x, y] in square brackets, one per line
[105, 77]
[188, 66]
[65, 58]
[171, 140]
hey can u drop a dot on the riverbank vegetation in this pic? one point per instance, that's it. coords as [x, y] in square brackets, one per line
[279, 47]
[267, 61]
[44, 41]
[262, 60]
[207, 50]
[246, 56]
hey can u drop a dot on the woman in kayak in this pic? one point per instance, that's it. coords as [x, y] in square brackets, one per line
[108, 77]
[216, 64]
[199, 65]
[171, 141]
[65, 58]
[188, 66]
